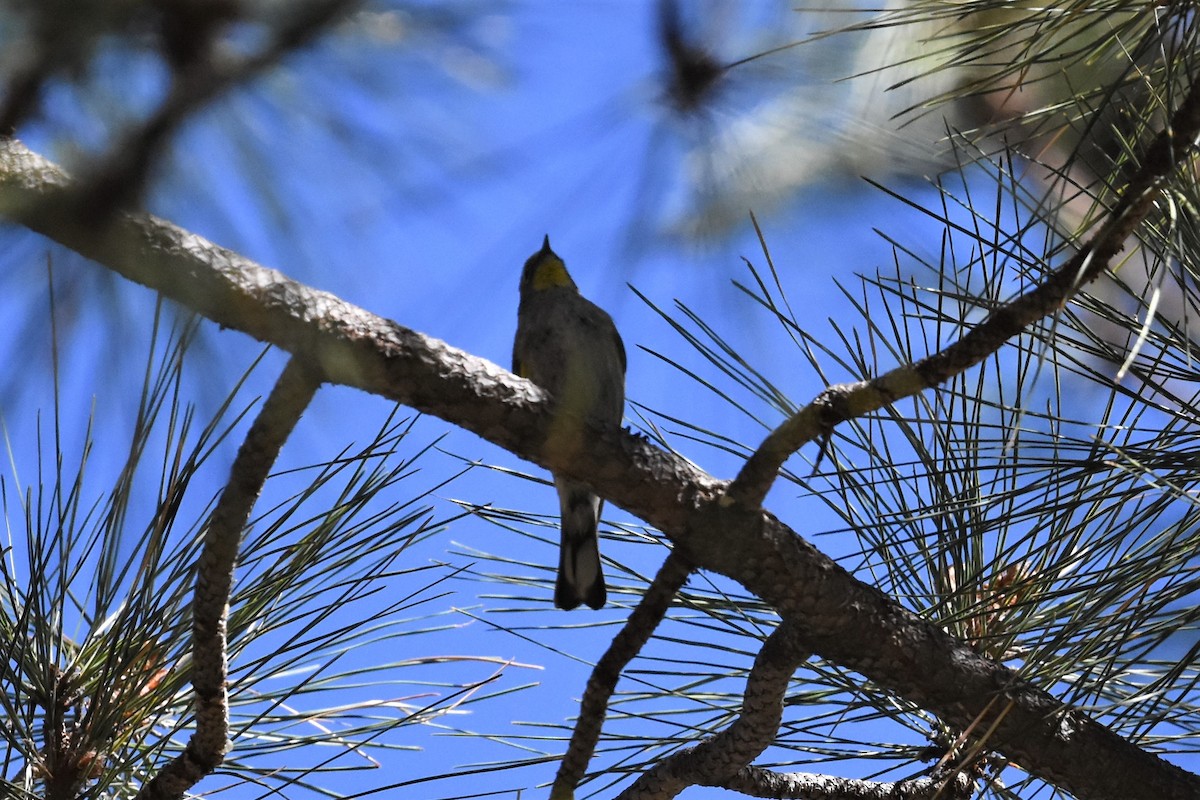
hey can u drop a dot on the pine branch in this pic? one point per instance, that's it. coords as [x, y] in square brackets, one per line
[718, 759]
[755, 782]
[625, 646]
[120, 174]
[844, 620]
[214, 579]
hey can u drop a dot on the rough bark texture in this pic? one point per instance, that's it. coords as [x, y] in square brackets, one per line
[214, 578]
[843, 619]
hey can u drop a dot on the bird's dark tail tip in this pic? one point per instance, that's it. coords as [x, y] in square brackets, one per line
[596, 595]
[564, 594]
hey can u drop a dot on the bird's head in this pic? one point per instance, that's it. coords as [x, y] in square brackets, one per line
[545, 270]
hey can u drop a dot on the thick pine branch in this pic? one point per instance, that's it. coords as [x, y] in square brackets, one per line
[843, 619]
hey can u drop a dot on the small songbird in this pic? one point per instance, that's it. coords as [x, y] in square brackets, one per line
[570, 347]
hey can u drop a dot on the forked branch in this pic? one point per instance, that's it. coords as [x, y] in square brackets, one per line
[718, 759]
[845, 620]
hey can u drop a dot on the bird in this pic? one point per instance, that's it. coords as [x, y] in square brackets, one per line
[570, 348]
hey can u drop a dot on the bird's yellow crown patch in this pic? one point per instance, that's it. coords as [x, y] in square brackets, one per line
[550, 272]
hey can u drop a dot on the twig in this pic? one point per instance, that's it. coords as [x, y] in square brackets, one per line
[214, 577]
[718, 759]
[757, 782]
[120, 174]
[603, 681]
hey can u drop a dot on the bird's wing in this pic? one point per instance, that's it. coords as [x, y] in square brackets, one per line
[517, 366]
[620, 347]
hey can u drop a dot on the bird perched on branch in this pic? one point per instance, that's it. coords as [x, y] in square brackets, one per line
[570, 347]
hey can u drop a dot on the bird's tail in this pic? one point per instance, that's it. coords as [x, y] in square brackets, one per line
[580, 579]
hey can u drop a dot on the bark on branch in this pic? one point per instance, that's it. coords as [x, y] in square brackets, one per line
[719, 759]
[214, 578]
[754, 782]
[842, 619]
